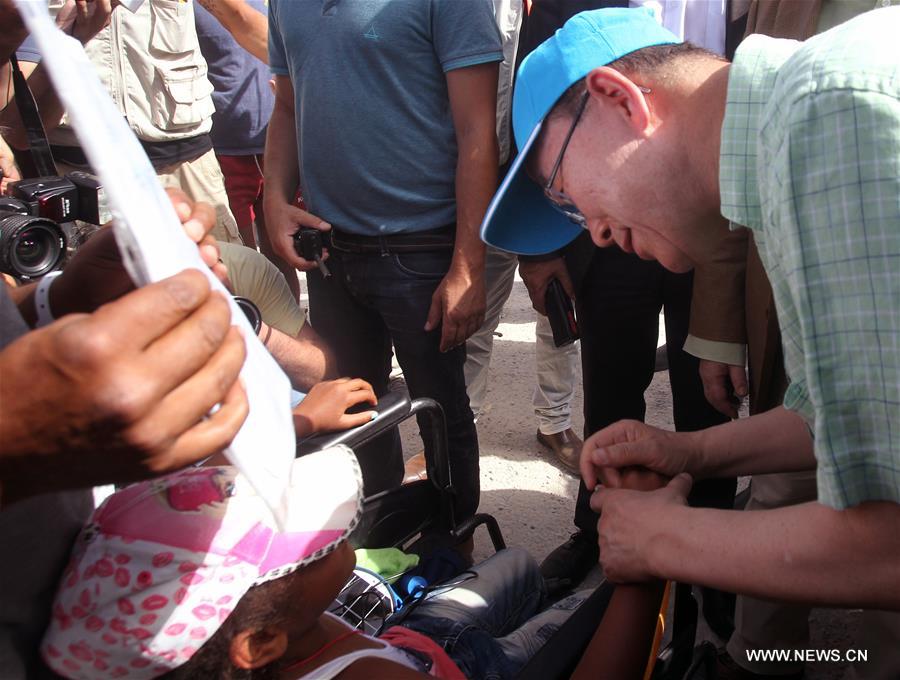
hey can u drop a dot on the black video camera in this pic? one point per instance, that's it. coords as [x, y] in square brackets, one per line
[32, 240]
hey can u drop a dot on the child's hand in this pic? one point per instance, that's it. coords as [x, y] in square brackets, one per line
[324, 408]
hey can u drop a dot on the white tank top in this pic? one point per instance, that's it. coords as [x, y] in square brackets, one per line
[335, 666]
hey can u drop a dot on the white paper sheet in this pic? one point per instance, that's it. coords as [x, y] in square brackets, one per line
[154, 246]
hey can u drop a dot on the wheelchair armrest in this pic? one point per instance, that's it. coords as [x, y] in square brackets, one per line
[392, 409]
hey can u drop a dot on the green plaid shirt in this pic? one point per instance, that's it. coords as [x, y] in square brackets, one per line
[810, 161]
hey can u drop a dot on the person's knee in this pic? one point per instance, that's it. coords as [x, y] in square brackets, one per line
[518, 565]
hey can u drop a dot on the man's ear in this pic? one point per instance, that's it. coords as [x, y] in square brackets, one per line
[621, 95]
[257, 648]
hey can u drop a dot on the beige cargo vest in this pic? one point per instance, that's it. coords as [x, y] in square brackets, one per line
[150, 63]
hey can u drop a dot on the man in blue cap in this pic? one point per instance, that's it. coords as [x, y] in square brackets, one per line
[618, 299]
[644, 142]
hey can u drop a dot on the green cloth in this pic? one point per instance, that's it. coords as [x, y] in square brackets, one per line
[389, 563]
[810, 161]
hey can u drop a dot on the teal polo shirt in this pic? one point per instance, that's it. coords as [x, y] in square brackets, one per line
[375, 134]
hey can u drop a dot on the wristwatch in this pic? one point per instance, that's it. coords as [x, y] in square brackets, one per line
[251, 311]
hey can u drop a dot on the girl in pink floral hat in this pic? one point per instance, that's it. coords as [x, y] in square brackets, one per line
[187, 576]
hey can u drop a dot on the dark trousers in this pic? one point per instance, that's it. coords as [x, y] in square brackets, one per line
[375, 299]
[618, 303]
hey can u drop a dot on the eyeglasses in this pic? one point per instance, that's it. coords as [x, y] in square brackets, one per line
[558, 199]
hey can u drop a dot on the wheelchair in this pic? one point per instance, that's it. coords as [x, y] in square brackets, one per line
[410, 516]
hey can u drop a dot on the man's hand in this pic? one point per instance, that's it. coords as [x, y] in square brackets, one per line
[724, 385]
[14, 31]
[198, 220]
[610, 455]
[627, 527]
[537, 276]
[83, 19]
[9, 171]
[457, 305]
[283, 220]
[123, 393]
[324, 409]
[96, 275]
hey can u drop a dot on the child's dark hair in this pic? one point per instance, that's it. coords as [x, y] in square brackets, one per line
[260, 606]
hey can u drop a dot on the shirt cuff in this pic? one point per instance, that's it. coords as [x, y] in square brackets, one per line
[734, 353]
[471, 60]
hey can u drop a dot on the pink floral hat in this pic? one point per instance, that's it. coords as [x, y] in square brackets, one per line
[161, 564]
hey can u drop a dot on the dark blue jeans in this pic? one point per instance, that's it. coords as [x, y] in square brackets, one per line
[491, 620]
[370, 302]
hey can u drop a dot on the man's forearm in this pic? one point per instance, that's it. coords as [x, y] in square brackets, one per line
[804, 553]
[305, 359]
[48, 104]
[473, 99]
[476, 178]
[774, 441]
[247, 26]
[282, 172]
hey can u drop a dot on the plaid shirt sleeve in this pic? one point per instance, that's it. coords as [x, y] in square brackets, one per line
[830, 171]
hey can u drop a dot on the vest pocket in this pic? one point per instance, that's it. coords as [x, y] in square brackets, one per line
[171, 27]
[182, 97]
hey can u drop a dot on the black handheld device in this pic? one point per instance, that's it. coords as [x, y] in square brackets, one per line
[561, 314]
[308, 244]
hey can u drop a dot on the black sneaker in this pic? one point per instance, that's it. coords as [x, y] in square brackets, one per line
[565, 567]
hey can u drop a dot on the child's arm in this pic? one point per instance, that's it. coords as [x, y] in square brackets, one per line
[621, 646]
[325, 407]
[371, 667]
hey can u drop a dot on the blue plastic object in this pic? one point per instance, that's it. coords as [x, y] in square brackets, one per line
[412, 586]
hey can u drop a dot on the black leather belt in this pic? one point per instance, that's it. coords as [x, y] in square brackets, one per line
[409, 242]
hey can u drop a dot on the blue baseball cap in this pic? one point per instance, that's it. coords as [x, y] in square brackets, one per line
[520, 219]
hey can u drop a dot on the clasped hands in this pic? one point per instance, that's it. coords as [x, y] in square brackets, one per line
[641, 476]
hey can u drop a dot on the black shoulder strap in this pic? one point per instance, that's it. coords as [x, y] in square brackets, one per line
[31, 120]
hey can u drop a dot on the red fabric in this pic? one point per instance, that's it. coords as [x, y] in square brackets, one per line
[442, 665]
[244, 186]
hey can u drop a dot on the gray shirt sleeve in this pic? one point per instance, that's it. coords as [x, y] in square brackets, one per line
[278, 64]
[465, 33]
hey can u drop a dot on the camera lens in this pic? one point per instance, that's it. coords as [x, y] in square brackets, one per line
[30, 246]
[31, 250]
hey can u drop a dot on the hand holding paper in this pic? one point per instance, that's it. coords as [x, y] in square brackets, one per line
[154, 246]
